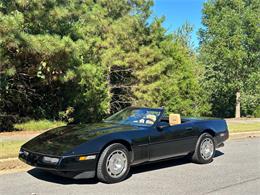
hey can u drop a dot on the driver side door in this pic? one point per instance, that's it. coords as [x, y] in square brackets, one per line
[171, 141]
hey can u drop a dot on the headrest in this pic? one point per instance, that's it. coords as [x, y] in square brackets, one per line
[174, 119]
[152, 117]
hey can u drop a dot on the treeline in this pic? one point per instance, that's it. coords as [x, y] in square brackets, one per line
[82, 60]
[230, 53]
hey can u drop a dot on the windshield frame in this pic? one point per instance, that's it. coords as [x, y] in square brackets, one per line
[160, 110]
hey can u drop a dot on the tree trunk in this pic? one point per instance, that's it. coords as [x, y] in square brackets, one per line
[237, 104]
[109, 89]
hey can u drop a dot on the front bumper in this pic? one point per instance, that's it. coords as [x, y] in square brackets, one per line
[68, 166]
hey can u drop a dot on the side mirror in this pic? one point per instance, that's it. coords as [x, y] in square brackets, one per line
[162, 125]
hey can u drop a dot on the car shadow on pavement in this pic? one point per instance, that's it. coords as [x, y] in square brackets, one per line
[218, 153]
[49, 177]
[164, 164]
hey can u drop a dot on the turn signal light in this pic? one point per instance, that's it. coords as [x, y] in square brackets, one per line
[83, 158]
[91, 157]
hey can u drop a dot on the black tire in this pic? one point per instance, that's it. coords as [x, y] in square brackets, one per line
[197, 156]
[102, 172]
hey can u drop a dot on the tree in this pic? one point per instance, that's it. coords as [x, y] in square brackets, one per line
[61, 54]
[229, 49]
[83, 60]
[170, 76]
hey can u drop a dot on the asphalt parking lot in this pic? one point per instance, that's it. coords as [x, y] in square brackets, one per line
[235, 170]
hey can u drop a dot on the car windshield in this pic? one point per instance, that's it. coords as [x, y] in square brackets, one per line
[135, 116]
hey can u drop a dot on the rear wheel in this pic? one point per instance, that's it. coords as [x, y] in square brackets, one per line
[205, 149]
[114, 164]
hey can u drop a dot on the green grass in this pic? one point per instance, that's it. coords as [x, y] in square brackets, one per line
[243, 127]
[39, 125]
[9, 149]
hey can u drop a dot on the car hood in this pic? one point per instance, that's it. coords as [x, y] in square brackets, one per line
[63, 139]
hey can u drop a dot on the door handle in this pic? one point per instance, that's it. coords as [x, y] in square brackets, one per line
[188, 128]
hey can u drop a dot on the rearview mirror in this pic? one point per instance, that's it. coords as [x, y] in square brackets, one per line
[162, 125]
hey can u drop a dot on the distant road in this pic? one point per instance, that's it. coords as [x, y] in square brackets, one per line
[235, 170]
[18, 135]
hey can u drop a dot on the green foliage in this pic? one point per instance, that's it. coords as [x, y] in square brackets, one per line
[66, 115]
[80, 60]
[257, 112]
[230, 52]
[7, 122]
[39, 125]
[170, 76]
[251, 95]
[52, 55]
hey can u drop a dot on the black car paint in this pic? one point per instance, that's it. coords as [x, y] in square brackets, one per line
[145, 143]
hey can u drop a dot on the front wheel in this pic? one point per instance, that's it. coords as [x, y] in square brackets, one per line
[114, 164]
[205, 149]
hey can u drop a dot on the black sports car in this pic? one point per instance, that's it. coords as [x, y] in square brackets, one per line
[132, 136]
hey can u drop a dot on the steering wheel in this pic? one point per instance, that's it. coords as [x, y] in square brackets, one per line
[148, 119]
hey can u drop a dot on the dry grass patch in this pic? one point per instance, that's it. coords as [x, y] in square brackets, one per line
[10, 149]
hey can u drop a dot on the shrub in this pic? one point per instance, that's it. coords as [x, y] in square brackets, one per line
[257, 112]
[7, 122]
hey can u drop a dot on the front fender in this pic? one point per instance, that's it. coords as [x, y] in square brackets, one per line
[96, 145]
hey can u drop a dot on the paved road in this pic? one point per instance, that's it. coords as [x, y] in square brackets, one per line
[235, 170]
[17, 136]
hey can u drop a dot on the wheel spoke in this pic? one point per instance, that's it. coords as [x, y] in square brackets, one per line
[116, 164]
[207, 148]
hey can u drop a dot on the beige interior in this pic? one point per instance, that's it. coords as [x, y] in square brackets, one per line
[152, 117]
[174, 119]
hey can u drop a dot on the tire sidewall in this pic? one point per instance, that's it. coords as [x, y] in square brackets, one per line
[201, 139]
[107, 152]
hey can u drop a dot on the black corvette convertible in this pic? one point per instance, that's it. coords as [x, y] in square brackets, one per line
[132, 136]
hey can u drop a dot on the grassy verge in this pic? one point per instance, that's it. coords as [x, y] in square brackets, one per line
[9, 149]
[39, 125]
[243, 127]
